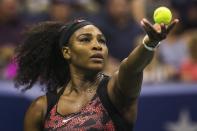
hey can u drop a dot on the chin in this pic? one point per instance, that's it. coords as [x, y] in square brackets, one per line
[96, 67]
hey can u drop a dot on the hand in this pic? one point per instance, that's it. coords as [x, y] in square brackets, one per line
[157, 32]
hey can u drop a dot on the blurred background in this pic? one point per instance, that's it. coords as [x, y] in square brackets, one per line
[169, 91]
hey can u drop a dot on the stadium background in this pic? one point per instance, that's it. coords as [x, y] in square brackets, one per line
[169, 92]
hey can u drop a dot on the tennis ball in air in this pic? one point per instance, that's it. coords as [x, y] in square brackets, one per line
[162, 15]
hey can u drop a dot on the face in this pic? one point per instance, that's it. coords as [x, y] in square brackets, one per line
[87, 49]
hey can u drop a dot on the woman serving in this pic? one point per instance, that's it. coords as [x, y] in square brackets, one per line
[69, 60]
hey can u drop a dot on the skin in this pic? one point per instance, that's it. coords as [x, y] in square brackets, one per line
[123, 87]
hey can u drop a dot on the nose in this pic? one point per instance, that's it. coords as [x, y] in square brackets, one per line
[97, 46]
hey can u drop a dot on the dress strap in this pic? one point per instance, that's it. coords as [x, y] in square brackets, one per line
[52, 99]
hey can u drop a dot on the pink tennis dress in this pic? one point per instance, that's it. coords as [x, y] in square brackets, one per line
[98, 115]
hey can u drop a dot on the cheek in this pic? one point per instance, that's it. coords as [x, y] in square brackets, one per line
[105, 51]
[80, 56]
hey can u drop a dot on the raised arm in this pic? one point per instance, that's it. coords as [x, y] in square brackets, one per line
[125, 85]
[35, 115]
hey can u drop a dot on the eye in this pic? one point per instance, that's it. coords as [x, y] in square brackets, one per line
[102, 40]
[85, 39]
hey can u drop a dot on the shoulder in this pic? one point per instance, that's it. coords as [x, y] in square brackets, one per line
[36, 112]
[39, 104]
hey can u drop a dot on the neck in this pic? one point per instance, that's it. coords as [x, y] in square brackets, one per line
[82, 81]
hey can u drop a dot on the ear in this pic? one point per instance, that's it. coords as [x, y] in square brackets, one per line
[66, 52]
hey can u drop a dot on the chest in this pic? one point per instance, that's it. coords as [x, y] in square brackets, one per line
[92, 116]
[73, 103]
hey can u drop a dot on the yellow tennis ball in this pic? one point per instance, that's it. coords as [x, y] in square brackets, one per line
[162, 15]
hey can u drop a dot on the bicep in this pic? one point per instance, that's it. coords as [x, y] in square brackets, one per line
[125, 105]
[126, 82]
[123, 92]
[35, 115]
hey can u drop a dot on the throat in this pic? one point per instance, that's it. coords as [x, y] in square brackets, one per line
[84, 85]
[88, 87]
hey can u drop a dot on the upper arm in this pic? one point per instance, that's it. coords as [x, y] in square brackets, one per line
[128, 81]
[123, 92]
[125, 103]
[125, 82]
[35, 115]
[125, 85]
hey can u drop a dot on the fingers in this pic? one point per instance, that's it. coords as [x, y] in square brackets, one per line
[163, 28]
[157, 32]
[171, 26]
[163, 31]
[148, 27]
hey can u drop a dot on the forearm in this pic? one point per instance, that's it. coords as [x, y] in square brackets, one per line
[131, 71]
[139, 58]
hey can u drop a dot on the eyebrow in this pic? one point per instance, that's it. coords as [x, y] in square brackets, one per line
[89, 34]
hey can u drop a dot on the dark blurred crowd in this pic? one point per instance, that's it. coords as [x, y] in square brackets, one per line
[175, 60]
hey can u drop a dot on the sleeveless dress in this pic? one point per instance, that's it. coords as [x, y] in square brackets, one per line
[98, 115]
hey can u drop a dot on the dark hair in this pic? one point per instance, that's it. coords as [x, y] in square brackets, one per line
[39, 58]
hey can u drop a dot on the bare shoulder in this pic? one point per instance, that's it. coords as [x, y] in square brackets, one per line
[39, 103]
[35, 114]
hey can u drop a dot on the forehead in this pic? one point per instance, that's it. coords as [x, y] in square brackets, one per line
[90, 29]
